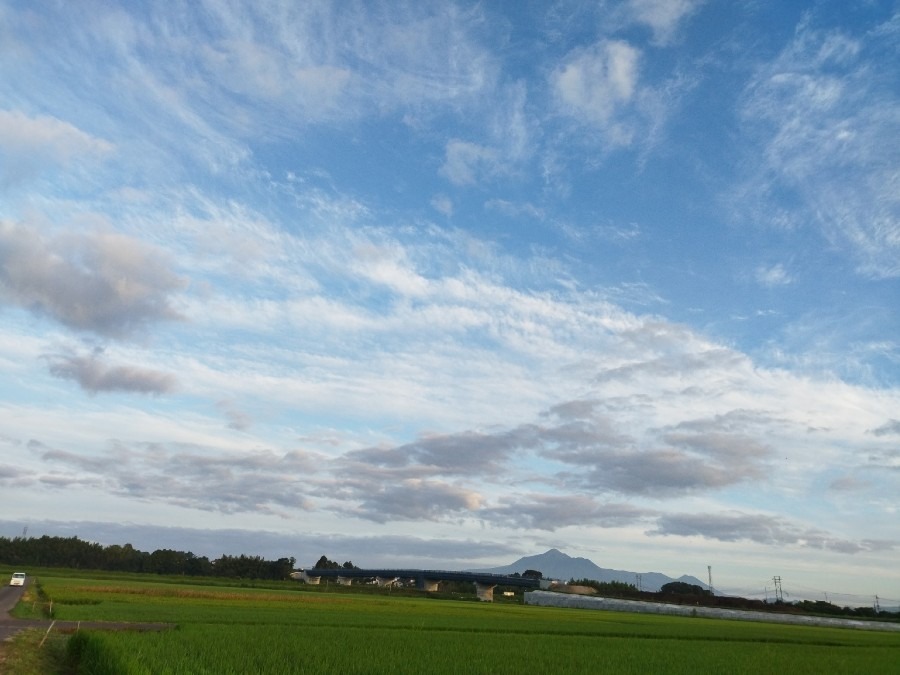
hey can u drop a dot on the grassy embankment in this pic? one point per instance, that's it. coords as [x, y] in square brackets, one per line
[282, 629]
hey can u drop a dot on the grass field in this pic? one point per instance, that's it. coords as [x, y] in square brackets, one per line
[283, 629]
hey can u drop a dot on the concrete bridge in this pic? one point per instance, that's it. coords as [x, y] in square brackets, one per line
[426, 580]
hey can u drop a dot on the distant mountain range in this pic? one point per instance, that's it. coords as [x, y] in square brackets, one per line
[555, 564]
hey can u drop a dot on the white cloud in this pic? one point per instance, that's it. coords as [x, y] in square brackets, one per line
[764, 529]
[29, 145]
[95, 376]
[466, 162]
[662, 16]
[776, 275]
[103, 282]
[595, 84]
[553, 512]
[414, 499]
[237, 418]
[442, 204]
[388, 266]
[600, 88]
[505, 148]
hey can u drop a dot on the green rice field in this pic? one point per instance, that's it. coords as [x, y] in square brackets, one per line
[286, 628]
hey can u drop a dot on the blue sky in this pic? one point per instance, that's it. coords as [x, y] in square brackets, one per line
[445, 284]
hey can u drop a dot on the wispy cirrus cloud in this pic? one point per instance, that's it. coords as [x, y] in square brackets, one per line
[819, 113]
[260, 73]
[323, 63]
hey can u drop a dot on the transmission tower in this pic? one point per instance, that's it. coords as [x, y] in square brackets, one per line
[779, 596]
[709, 570]
[638, 578]
[877, 605]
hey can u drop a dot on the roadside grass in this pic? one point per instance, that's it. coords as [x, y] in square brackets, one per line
[291, 629]
[31, 604]
[33, 652]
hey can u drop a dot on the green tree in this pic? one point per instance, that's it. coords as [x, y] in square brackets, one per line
[683, 588]
[325, 564]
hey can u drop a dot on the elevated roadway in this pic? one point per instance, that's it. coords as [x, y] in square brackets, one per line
[426, 580]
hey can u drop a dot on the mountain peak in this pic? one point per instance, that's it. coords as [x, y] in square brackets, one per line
[554, 564]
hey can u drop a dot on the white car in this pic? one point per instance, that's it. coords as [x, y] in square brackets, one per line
[18, 579]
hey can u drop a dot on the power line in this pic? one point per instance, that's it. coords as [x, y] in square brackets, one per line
[798, 591]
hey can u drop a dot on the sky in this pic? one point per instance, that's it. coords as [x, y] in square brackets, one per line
[445, 284]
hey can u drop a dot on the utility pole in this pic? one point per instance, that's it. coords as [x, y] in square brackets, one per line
[779, 596]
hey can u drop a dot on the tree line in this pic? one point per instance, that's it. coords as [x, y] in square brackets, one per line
[75, 553]
[324, 563]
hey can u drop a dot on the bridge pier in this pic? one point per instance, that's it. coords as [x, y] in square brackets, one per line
[344, 581]
[386, 581]
[485, 592]
[430, 585]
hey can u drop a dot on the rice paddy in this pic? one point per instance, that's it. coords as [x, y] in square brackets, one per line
[290, 629]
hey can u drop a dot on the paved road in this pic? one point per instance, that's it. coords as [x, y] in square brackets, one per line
[9, 596]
